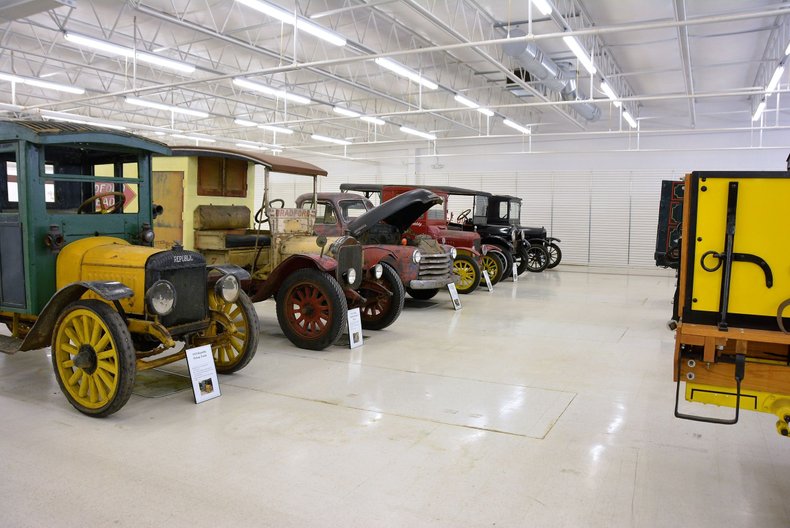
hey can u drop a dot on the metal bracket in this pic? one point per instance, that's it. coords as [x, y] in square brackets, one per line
[740, 372]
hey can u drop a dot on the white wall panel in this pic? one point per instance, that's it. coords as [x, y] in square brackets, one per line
[571, 215]
[609, 218]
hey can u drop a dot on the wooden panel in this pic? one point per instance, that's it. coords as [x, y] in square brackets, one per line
[758, 376]
[235, 177]
[168, 191]
[209, 181]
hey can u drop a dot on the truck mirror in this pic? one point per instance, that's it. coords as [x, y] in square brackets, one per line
[156, 210]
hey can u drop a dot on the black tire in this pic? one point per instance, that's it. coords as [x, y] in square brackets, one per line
[495, 265]
[521, 261]
[469, 270]
[505, 254]
[98, 362]
[423, 295]
[319, 330]
[555, 255]
[382, 310]
[232, 352]
[537, 259]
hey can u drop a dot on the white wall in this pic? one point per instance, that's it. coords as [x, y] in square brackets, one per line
[599, 195]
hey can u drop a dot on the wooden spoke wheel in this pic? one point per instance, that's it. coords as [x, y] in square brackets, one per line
[468, 271]
[381, 310]
[232, 347]
[93, 357]
[311, 309]
[495, 266]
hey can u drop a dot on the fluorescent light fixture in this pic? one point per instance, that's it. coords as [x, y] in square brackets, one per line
[417, 133]
[330, 140]
[150, 58]
[543, 6]
[268, 90]
[193, 138]
[100, 45]
[516, 126]
[41, 84]
[759, 111]
[320, 32]
[291, 18]
[466, 102]
[280, 130]
[374, 120]
[345, 112]
[630, 119]
[168, 108]
[610, 94]
[406, 72]
[787, 50]
[486, 112]
[129, 53]
[580, 53]
[775, 79]
[244, 122]
[250, 146]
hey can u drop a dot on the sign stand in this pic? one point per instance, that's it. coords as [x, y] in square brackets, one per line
[203, 373]
[454, 296]
[354, 328]
[515, 272]
[488, 281]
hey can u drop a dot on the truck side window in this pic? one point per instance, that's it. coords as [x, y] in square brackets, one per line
[9, 183]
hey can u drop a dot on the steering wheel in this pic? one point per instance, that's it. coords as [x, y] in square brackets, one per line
[463, 216]
[120, 200]
[276, 200]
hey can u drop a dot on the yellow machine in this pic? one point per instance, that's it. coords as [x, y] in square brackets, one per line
[732, 346]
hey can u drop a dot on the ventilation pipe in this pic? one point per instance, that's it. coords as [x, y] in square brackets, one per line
[548, 72]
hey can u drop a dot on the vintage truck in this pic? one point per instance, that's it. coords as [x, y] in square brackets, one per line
[423, 265]
[471, 255]
[506, 210]
[77, 270]
[314, 279]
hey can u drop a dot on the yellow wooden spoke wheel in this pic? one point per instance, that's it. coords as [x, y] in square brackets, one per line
[234, 327]
[494, 266]
[93, 357]
[468, 271]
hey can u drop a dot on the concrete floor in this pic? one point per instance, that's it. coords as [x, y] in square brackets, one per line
[547, 403]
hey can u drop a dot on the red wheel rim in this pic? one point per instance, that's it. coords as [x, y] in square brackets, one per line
[308, 310]
[376, 307]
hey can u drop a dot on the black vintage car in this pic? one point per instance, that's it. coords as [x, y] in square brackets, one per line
[506, 210]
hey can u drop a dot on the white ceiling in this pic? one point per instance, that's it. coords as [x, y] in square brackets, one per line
[680, 65]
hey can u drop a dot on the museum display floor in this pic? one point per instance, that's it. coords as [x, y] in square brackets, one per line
[547, 403]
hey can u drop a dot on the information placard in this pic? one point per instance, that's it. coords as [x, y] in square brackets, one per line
[205, 384]
[488, 281]
[515, 272]
[354, 328]
[454, 296]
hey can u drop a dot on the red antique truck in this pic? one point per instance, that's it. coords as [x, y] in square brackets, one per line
[423, 265]
[471, 252]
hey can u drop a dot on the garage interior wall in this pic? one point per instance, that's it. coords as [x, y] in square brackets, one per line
[600, 198]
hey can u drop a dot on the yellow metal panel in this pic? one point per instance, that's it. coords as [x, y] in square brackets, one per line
[761, 228]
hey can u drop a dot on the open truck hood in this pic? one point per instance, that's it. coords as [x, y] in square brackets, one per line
[400, 212]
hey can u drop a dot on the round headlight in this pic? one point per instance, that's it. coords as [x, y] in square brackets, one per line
[453, 253]
[147, 235]
[513, 236]
[378, 271]
[351, 275]
[227, 288]
[416, 257]
[161, 297]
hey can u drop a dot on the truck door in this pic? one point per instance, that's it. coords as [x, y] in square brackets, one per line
[12, 258]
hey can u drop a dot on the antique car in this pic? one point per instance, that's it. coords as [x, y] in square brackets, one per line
[423, 265]
[470, 251]
[506, 210]
[77, 270]
[314, 279]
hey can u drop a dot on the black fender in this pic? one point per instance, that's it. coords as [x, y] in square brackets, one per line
[538, 241]
[505, 244]
[41, 333]
[552, 239]
[227, 269]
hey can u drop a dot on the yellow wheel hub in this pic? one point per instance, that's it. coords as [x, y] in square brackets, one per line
[228, 348]
[86, 358]
[491, 266]
[466, 272]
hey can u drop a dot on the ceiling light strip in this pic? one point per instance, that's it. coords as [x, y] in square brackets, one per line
[271, 92]
[129, 53]
[759, 111]
[403, 71]
[610, 94]
[345, 112]
[543, 6]
[413, 132]
[330, 140]
[41, 84]
[630, 119]
[279, 130]
[373, 120]
[516, 126]
[580, 53]
[293, 19]
[168, 108]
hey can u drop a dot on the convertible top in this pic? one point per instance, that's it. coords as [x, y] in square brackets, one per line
[274, 163]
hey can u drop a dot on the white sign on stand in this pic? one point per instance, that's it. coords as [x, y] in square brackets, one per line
[354, 328]
[454, 296]
[205, 384]
[488, 281]
[515, 272]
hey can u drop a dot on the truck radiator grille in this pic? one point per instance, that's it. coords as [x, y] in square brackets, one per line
[435, 266]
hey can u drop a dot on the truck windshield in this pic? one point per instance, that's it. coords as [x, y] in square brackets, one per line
[481, 209]
[351, 209]
[515, 213]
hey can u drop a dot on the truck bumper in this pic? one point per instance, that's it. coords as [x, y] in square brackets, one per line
[432, 284]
